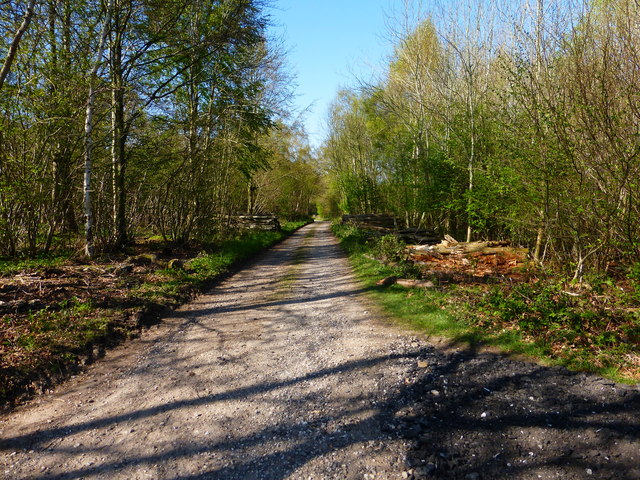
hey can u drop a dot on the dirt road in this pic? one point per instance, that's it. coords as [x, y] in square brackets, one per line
[283, 371]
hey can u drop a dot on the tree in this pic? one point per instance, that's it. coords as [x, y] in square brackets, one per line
[88, 128]
[350, 151]
[13, 48]
[180, 94]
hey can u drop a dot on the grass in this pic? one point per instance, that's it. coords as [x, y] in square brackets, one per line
[535, 319]
[173, 286]
[68, 328]
[12, 266]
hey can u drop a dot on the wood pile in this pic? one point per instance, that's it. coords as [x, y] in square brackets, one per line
[256, 222]
[475, 258]
[388, 224]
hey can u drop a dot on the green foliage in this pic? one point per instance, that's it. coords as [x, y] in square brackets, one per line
[389, 248]
[352, 239]
[12, 265]
[634, 276]
[195, 89]
[68, 327]
[291, 184]
[569, 326]
[465, 135]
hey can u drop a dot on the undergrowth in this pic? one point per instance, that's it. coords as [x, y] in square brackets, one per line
[12, 266]
[597, 329]
[174, 286]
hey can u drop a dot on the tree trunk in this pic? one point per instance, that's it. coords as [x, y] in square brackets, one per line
[538, 246]
[13, 48]
[252, 190]
[472, 151]
[118, 136]
[470, 191]
[63, 212]
[88, 136]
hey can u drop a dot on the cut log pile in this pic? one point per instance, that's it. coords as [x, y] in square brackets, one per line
[256, 222]
[448, 256]
[474, 258]
[388, 224]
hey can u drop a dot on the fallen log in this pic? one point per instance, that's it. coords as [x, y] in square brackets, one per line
[450, 240]
[405, 282]
[448, 248]
[413, 283]
[386, 281]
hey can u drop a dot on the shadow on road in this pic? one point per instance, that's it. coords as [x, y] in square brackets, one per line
[490, 415]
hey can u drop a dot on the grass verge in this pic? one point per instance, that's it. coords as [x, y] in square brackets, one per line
[535, 319]
[171, 287]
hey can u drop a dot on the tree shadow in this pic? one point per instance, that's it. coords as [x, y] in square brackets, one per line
[491, 416]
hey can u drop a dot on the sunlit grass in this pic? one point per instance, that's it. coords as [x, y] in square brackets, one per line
[12, 266]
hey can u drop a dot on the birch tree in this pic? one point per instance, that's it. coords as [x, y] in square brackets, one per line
[88, 129]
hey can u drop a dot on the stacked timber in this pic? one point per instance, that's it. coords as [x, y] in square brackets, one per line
[256, 222]
[388, 224]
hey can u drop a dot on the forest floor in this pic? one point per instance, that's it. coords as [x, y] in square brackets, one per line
[287, 370]
[496, 296]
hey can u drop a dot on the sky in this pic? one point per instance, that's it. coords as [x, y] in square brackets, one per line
[330, 44]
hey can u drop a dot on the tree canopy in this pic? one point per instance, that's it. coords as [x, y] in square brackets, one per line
[499, 120]
[134, 116]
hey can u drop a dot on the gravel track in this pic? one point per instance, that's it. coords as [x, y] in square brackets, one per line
[285, 371]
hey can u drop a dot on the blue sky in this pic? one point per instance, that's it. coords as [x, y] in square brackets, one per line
[330, 43]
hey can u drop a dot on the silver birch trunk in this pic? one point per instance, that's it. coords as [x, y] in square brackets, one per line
[88, 138]
[538, 55]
